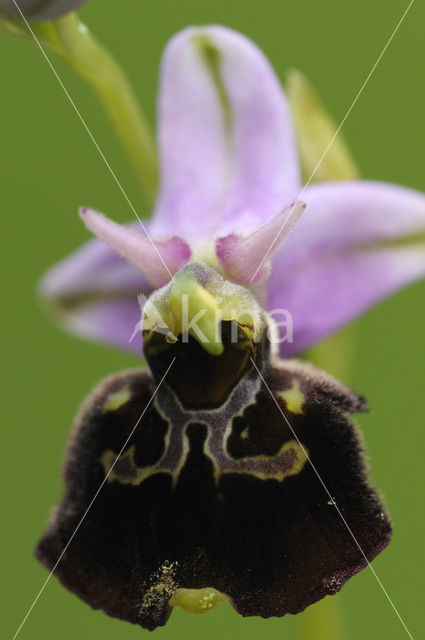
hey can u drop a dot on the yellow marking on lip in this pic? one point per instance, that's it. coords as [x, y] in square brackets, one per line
[294, 398]
[116, 399]
[245, 433]
[124, 470]
[299, 451]
[131, 473]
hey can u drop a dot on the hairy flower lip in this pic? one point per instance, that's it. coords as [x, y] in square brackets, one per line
[234, 505]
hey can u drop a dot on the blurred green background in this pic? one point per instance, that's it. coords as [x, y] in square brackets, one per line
[48, 167]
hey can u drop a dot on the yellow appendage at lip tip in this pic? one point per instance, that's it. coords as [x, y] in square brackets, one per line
[195, 310]
[116, 399]
[197, 601]
[294, 398]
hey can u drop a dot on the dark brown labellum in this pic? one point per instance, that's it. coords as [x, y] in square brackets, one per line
[215, 494]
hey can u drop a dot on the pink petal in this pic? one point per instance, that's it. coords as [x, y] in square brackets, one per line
[358, 242]
[159, 261]
[228, 157]
[245, 259]
[93, 294]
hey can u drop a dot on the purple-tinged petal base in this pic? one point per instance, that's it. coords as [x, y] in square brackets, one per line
[158, 260]
[246, 259]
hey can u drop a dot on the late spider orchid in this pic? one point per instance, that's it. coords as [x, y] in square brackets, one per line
[216, 494]
[229, 166]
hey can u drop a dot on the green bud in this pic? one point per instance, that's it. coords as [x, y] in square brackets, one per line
[315, 128]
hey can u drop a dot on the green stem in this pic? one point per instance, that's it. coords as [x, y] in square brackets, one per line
[71, 39]
[321, 621]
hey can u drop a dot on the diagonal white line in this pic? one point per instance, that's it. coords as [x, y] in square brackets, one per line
[334, 503]
[91, 503]
[334, 136]
[83, 122]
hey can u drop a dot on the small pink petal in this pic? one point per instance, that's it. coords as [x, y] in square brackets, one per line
[245, 259]
[158, 260]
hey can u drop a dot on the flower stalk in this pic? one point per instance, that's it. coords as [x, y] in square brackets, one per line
[81, 49]
[321, 621]
[70, 38]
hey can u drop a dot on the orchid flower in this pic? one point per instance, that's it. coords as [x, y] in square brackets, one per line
[216, 495]
[229, 169]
